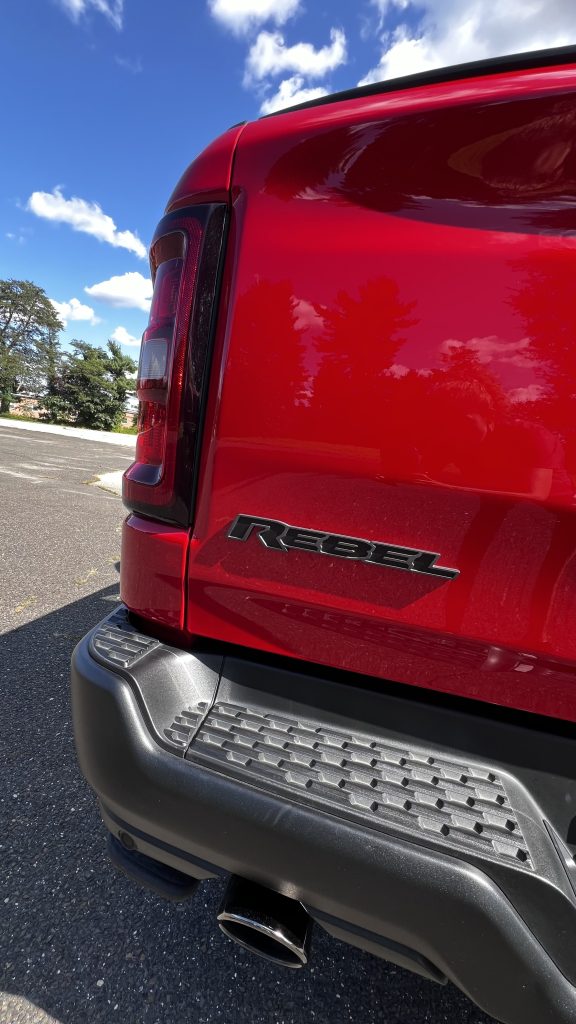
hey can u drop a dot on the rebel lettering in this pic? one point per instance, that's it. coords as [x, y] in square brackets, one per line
[304, 540]
[281, 537]
[346, 547]
[426, 562]
[394, 558]
[268, 531]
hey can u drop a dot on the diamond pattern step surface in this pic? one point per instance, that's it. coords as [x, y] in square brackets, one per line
[383, 783]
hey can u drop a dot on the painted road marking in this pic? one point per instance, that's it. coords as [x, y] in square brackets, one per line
[64, 465]
[29, 440]
[22, 476]
[86, 494]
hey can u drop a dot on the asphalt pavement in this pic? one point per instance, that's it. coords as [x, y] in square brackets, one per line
[79, 943]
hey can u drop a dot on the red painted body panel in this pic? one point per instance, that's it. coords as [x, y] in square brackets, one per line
[396, 360]
[154, 571]
[207, 179]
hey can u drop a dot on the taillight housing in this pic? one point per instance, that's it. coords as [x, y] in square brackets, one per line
[174, 363]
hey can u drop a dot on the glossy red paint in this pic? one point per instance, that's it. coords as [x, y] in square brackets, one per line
[396, 361]
[207, 179]
[154, 571]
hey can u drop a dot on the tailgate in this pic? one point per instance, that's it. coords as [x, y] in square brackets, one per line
[396, 382]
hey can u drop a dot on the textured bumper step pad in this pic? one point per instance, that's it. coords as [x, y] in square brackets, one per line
[381, 782]
[185, 724]
[118, 646]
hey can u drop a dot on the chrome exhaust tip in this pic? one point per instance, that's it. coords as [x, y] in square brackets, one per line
[266, 923]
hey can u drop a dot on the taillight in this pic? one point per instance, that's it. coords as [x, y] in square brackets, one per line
[174, 363]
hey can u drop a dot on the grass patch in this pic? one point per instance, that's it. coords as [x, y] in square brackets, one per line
[126, 430]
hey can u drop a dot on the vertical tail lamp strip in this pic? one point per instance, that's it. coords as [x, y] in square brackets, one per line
[165, 492]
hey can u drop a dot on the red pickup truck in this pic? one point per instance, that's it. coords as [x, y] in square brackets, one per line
[344, 670]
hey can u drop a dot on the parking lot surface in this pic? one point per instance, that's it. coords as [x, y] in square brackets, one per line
[78, 942]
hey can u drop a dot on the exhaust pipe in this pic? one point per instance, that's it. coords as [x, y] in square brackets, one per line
[265, 922]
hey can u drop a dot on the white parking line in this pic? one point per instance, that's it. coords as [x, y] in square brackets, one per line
[86, 494]
[22, 476]
[72, 458]
[51, 469]
[29, 440]
[64, 465]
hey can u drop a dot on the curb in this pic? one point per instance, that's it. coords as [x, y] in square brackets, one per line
[81, 433]
[110, 482]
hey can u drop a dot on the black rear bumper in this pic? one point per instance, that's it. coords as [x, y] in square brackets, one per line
[402, 829]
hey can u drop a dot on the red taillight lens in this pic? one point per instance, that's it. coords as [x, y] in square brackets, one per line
[151, 436]
[154, 483]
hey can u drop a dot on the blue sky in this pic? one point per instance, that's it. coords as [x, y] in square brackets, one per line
[106, 102]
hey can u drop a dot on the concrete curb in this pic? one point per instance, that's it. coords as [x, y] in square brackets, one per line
[82, 433]
[110, 482]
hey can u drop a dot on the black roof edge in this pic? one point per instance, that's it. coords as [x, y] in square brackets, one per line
[491, 66]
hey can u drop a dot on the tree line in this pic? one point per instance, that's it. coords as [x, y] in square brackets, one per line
[85, 385]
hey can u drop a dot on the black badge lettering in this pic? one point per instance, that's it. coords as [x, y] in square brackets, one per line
[282, 537]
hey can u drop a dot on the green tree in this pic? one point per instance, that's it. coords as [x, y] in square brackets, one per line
[27, 320]
[90, 386]
[119, 366]
[50, 369]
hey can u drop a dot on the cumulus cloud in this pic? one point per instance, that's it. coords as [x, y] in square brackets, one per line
[113, 10]
[84, 216]
[269, 55]
[121, 335]
[492, 349]
[242, 15]
[531, 393]
[290, 92]
[444, 32]
[306, 315]
[397, 370]
[131, 291]
[75, 310]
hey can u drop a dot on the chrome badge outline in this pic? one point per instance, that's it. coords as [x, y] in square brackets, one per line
[278, 536]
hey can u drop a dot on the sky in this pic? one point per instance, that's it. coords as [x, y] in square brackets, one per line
[107, 101]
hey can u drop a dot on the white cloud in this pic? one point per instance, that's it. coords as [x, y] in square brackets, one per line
[492, 349]
[406, 56]
[290, 92]
[131, 64]
[121, 335]
[131, 291]
[269, 55]
[113, 10]
[397, 370]
[383, 6]
[531, 393]
[75, 310]
[455, 31]
[306, 316]
[242, 15]
[84, 216]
